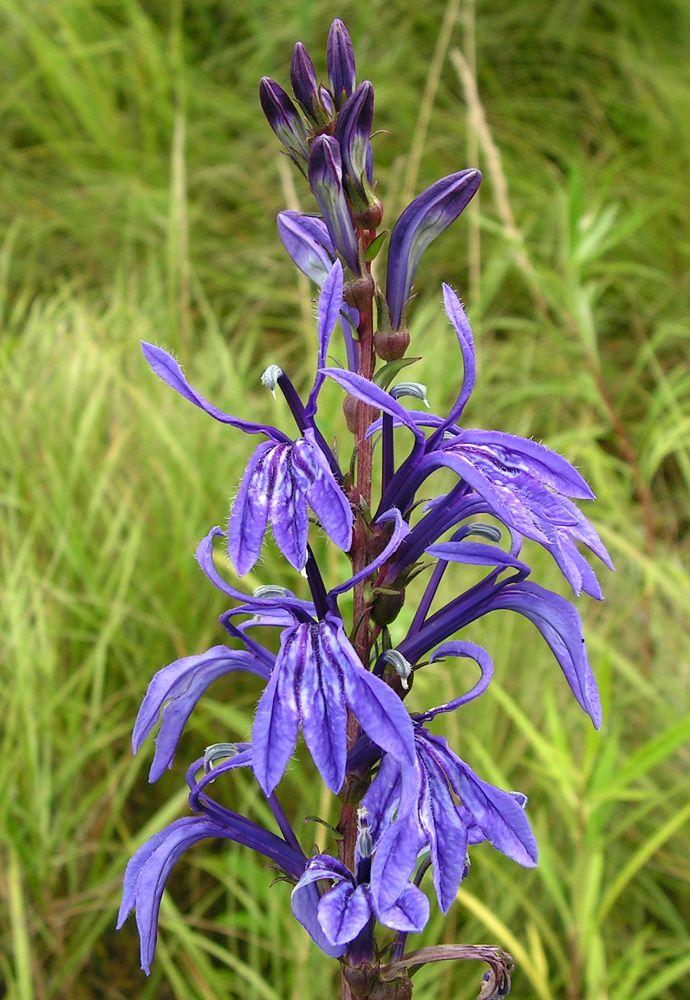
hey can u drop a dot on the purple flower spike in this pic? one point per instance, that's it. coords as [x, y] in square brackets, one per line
[305, 86]
[340, 58]
[353, 132]
[326, 182]
[316, 676]
[174, 692]
[422, 221]
[284, 119]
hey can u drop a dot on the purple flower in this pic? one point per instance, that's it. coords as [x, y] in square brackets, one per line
[316, 676]
[284, 119]
[326, 182]
[340, 58]
[453, 808]
[344, 911]
[281, 480]
[422, 221]
[283, 477]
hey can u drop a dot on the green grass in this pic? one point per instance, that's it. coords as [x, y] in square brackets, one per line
[138, 192]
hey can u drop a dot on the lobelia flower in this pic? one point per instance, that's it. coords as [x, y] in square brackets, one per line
[283, 476]
[453, 807]
[284, 119]
[340, 58]
[326, 182]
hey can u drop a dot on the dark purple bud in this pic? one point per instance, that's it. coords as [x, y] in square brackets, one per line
[305, 86]
[341, 62]
[422, 221]
[284, 119]
[326, 181]
[353, 132]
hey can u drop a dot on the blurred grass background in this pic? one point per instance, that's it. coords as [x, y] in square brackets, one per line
[138, 192]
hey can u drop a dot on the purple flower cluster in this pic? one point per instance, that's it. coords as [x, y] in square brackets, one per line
[410, 803]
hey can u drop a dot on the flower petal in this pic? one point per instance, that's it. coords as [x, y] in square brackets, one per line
[288, 510]
[369, 393]
[175, 690]
[249, 514]
[330, 304]
[322, 709]
[276, 722]
[167, 369]
[409, 913]
[343, 912]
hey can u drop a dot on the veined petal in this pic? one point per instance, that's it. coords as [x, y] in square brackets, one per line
[343, 912]
[322, 709]
[148, 869]
[445, 832]
[422, 221]
[409, 913]
[168, 370]
[305, 899]
[274, 734]
[379, 711]
[529, 456]
[174, 692]
[325, 497]
[500, 817]
[382, 796]
[559, 623]
[288, 510]
[330, 304]
[249, 515]
[394, 860]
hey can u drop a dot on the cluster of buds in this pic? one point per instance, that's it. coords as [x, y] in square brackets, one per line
[410, 803]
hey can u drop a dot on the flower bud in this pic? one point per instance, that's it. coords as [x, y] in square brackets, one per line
[351, 408]
[390, 345]
[387, 607]
[421, 222]
[326, 181]
[353, 132]
[284, 119]
[358, 293]
[340, 58]
[305, 86]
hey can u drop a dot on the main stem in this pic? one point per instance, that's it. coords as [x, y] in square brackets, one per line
[360, 557]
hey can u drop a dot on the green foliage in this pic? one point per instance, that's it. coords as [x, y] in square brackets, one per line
[137, 197]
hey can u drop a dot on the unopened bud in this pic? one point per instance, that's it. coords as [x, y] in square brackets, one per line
[391, 345]
[359, 293]
[387, 606]
[350, 409]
